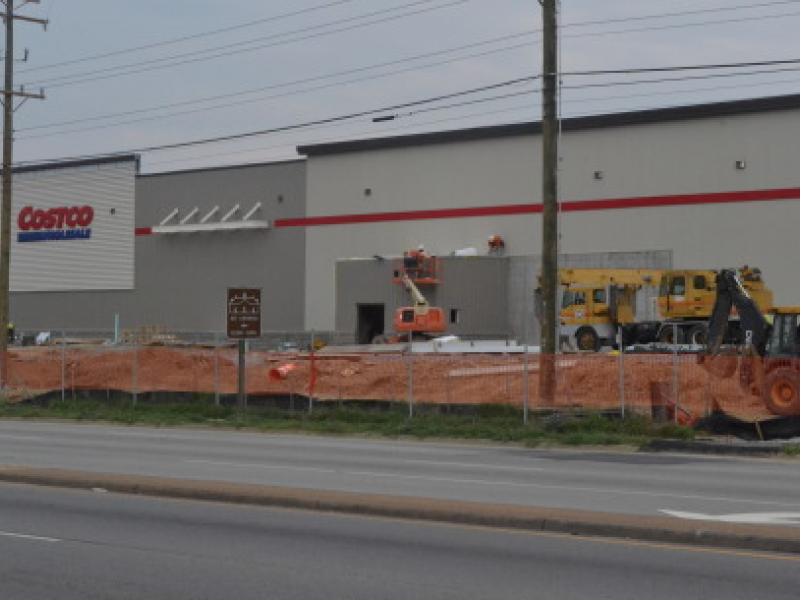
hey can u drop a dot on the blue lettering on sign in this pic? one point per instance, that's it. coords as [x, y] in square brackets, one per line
[55, 236]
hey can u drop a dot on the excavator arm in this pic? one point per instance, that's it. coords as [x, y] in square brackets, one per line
[732, 294]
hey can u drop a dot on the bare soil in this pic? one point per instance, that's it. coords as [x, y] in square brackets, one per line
[583, 381]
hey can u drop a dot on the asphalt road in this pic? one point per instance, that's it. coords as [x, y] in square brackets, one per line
[80, 545]
[762, 490]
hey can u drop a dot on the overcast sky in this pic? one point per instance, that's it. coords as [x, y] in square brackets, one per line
[135, 75]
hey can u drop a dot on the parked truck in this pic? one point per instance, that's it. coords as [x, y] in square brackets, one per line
[599, 305]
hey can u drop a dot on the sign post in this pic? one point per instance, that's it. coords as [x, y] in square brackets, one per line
[243, 323]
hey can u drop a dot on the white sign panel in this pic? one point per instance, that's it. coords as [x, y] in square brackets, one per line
[73, 228]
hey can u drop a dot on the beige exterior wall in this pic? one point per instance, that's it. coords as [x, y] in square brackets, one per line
[671, 158]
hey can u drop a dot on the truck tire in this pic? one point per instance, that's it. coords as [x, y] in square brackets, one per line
[697, 335]
[782, 392]
[586, 339]
[667, 333]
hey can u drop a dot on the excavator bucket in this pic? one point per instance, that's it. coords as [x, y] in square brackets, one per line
[720, 365]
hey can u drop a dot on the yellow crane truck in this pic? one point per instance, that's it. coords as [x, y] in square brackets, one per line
[599, 304]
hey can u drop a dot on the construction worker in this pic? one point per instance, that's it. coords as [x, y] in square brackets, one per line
[496, 244]
[414, 262]
[10, 332]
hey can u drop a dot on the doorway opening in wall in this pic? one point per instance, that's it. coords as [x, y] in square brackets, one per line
[370, 323]
[455, 315]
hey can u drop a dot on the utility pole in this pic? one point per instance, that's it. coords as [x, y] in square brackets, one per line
[9, 96]
[547, 371]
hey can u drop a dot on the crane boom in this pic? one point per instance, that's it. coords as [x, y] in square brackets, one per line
[610, 276]
[421, 305]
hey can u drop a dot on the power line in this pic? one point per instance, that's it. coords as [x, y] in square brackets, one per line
[361, 69]
[305, 90]
[517, 81]
[685, 25]
[184, 38]
[173, 41]
[679, 79]
[380, 75]
[354, 115]
[683, 13]
[224, 51]
[736, 65]
[172, 61]
[471, 116]
[350, 116]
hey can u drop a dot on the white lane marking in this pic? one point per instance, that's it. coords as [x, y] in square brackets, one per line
[27, 438]
[473, 465]
[37, 538]
[518, 484]
[445, 479]
[768, 518]
[260, 466]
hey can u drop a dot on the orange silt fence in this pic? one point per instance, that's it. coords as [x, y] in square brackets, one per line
[678, 387]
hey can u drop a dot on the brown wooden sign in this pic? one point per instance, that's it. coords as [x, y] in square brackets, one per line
[244, 313]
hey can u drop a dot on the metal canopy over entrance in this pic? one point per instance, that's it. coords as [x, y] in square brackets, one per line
[190, 224]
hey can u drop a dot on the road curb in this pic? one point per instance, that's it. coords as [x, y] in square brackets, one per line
[754, 449]
[545, 520]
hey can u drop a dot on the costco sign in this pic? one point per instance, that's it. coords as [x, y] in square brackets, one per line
[55, 224]
[72, 227]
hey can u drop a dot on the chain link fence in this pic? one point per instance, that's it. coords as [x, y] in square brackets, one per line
[282, 369]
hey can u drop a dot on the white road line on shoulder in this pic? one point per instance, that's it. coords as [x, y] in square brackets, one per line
[26, 438]
[23, 536]
[498, 483]
[445, 479]
[473, 465]
[215, 463]
[618, 492]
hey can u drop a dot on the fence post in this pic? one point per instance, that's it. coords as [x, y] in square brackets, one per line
[339, 386]
[447, 380]
[621, 370]
[675, 369]
[216, 369]
[63, 366]
[391, 385]
[312, 377]
[410, 376]
[508, 377]
[134, 372]
[525, 383]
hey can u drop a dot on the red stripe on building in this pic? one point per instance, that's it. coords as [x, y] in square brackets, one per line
[414, 215]
[527, 209]
[522, 209]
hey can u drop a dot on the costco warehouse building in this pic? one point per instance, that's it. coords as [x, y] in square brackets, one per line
[703, 186]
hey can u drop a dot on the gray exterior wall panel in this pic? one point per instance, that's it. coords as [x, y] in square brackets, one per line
[476, 287]
[181, 279]
[635, 160]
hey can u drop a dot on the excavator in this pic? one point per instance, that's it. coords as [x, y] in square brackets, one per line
[597, 304]
[768, 353]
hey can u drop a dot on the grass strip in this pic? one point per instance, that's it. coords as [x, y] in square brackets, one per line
[479, 423]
